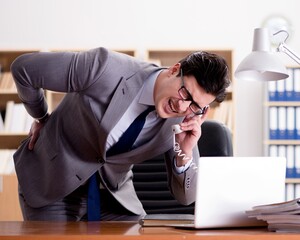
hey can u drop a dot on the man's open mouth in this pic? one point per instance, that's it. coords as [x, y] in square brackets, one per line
[172, 106]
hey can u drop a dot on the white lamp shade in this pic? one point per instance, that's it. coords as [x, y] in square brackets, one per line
[261, 64]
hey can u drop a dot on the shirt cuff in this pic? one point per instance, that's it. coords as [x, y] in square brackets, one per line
[183, 168]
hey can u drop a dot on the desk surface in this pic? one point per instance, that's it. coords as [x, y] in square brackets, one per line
[127, 230]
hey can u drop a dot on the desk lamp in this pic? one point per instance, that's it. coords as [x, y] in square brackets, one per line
[262, 64]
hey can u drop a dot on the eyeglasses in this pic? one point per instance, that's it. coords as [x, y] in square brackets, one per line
[186, 96]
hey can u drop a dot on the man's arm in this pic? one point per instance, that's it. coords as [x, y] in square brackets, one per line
[183, 185]
[60, 71]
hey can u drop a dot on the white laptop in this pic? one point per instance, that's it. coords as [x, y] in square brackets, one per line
[228, 186]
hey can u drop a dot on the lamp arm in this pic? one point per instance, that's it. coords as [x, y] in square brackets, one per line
[285, 49]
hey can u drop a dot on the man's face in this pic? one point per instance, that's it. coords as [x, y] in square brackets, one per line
[167, 99]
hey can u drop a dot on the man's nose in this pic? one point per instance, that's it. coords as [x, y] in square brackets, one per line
[183, 105]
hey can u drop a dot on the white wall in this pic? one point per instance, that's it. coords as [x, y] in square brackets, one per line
[156, 24]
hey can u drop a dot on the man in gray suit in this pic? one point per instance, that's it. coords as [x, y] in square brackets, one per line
[105, 92]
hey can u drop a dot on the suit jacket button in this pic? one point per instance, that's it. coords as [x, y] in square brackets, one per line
[188, 182]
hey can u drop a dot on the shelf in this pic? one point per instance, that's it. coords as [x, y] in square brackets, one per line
[9, 202]
[8, 96]
[292, 180]
[129, 52]
[281, 118]
[282, 104]
[282, 142]
[11, 140]
[7, 57]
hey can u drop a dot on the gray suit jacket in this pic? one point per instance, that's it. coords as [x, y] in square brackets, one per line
[100, 85]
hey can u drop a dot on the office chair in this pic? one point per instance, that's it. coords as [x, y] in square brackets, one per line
[150, 177]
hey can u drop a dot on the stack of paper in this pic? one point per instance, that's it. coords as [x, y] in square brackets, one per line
[281, 217]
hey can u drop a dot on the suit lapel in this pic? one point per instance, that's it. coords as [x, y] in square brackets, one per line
[125, 93]
[120, 102]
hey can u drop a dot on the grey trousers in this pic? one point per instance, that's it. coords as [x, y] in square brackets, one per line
[74, 208]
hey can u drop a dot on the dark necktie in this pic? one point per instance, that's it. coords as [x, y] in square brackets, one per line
[128, 138]
[123, 145]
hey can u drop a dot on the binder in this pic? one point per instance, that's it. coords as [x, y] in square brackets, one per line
[289, 192]
[273, 151]
[281, 90]
[297, 161]
[290, 164]
[297, 124]
[282, 123]
[291, 123]
[273, 122]
[289, 86]
[297, 190]
[272, 91]
[282, 151]
[297, 84]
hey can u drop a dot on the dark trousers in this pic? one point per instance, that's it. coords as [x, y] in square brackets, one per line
[74, 208]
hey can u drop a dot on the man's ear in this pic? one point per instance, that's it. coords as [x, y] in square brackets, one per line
[175, 69]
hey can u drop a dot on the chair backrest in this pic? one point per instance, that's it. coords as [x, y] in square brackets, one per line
[150, 177]
[216, 139]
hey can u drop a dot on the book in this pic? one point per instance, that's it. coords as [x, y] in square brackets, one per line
[161, 220]
[16, 118]
[283, 227]
[1, 124]
[8, 116]
[275, 207]
[283, 216]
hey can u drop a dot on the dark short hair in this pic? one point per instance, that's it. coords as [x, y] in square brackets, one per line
[210, 70]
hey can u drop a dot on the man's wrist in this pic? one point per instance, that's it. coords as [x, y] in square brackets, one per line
[183, 168]
[182, 160]
[43, 119]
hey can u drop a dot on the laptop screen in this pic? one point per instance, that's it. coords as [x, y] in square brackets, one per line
[228, 186]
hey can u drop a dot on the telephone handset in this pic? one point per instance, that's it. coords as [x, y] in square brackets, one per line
[176, 129]
[176, 147]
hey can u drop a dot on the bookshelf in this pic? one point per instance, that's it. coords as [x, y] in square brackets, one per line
[223, 112]
[7, 88]
[9, 140]
[282, 134]
[8, 93]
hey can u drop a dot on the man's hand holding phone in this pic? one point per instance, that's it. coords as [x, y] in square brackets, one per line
[187, 135]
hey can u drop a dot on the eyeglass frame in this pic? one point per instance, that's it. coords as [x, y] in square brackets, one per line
[201, 110]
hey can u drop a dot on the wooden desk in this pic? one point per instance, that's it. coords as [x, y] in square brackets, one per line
[127, 230]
